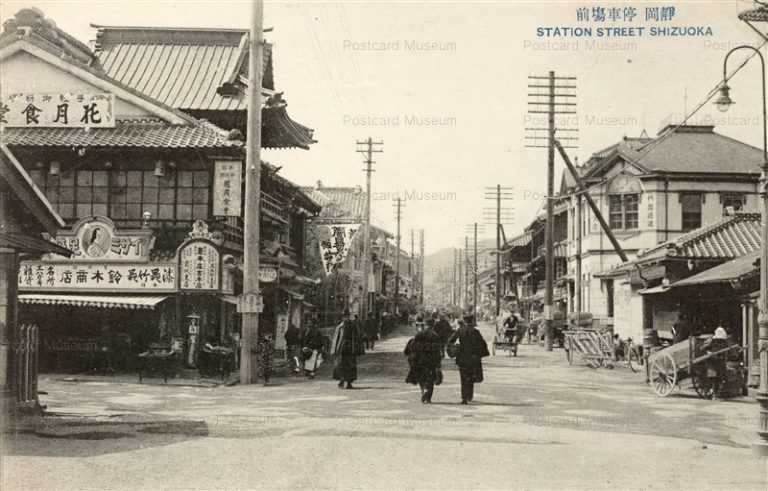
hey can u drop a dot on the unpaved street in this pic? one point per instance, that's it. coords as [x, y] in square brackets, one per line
[536, 423]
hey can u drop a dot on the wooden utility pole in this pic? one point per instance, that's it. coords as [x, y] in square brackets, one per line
[550, 106]
[368, 149]
[454, 278]
[498, 216]
[466, 272]
[398, 217]
[474, 286]
[251, 300]
[421, 267]
[549, 260]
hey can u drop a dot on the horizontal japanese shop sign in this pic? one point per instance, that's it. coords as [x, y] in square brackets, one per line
[62, 110]
[156, 277]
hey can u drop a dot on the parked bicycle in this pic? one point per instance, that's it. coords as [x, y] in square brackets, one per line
[628, 353]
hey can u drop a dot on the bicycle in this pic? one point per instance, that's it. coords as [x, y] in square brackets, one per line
[628, 352]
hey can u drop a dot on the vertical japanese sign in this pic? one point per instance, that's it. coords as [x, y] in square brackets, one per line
[58, 110]
[227, 188]
[335, 241]
[199, 266]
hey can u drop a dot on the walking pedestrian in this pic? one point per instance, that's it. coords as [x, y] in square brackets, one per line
[469, 352]
[312, 346]
[293, 348]
[265, 349]
[423, 352]
[444, 331]
[347, 346]
[371, 333]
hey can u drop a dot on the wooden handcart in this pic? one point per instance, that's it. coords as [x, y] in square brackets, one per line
[594, 346]
[690, 360]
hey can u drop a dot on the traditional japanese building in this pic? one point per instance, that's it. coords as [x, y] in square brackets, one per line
[335, 251]
[152, 201]
[25, 214]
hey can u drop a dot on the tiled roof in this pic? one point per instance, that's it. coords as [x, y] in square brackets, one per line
[735, 269]
[183, 68]
[339, 202]
[126, 133]
[700, 149]
[731, 237]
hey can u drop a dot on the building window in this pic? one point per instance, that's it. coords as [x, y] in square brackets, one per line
[732, 200]
[192, 202]
[690, 204]
[134, 192]
[59, 189]
[609, 298]
[623, 211]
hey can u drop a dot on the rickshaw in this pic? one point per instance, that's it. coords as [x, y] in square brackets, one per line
[505, 340]
[689, 360]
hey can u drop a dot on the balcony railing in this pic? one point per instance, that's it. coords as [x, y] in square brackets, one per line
[274, 208]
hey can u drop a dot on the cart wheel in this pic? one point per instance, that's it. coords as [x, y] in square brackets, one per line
[594, 363]
[700, 381]
[493, 346]
[663, 374]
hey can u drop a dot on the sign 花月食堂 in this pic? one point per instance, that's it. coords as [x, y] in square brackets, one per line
[227, 191]
[39, 275]
[61, 110]
[199, 266]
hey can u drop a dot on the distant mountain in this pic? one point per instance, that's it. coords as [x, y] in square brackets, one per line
[438, 266]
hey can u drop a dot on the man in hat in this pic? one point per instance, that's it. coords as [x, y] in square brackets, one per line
[471, 350]
[716, 363]
[347, 346]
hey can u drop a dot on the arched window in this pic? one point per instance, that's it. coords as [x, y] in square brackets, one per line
[624, 202]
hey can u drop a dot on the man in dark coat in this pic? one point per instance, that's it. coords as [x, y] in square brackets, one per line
[444, 331]
[470, 352]
[424, 354]
[312, 346]
[371, 332]
[293, 347]
[347, 346]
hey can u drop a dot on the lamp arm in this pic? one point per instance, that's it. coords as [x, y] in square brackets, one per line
[765, 101]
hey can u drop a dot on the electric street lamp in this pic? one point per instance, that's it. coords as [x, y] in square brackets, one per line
[724, 102]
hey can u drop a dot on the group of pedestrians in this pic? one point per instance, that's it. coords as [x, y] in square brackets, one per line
[304, 349]
[436, 337]
[426, 350]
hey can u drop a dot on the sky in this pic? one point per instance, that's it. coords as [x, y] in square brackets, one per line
[444, 86]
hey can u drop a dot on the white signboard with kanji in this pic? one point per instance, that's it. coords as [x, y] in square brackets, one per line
[227, 182]
[335, 241]
[62, 110]
[103, 277]
[199, 266]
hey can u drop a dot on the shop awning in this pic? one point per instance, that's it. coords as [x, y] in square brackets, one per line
[734, 270]
[134, 302]
[654, 289]
[229, 299]
[294, 295]
[28, 243]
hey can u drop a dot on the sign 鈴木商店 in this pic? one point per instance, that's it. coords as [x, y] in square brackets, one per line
[39, 275]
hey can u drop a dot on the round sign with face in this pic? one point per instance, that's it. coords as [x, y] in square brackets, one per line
[95, 239]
